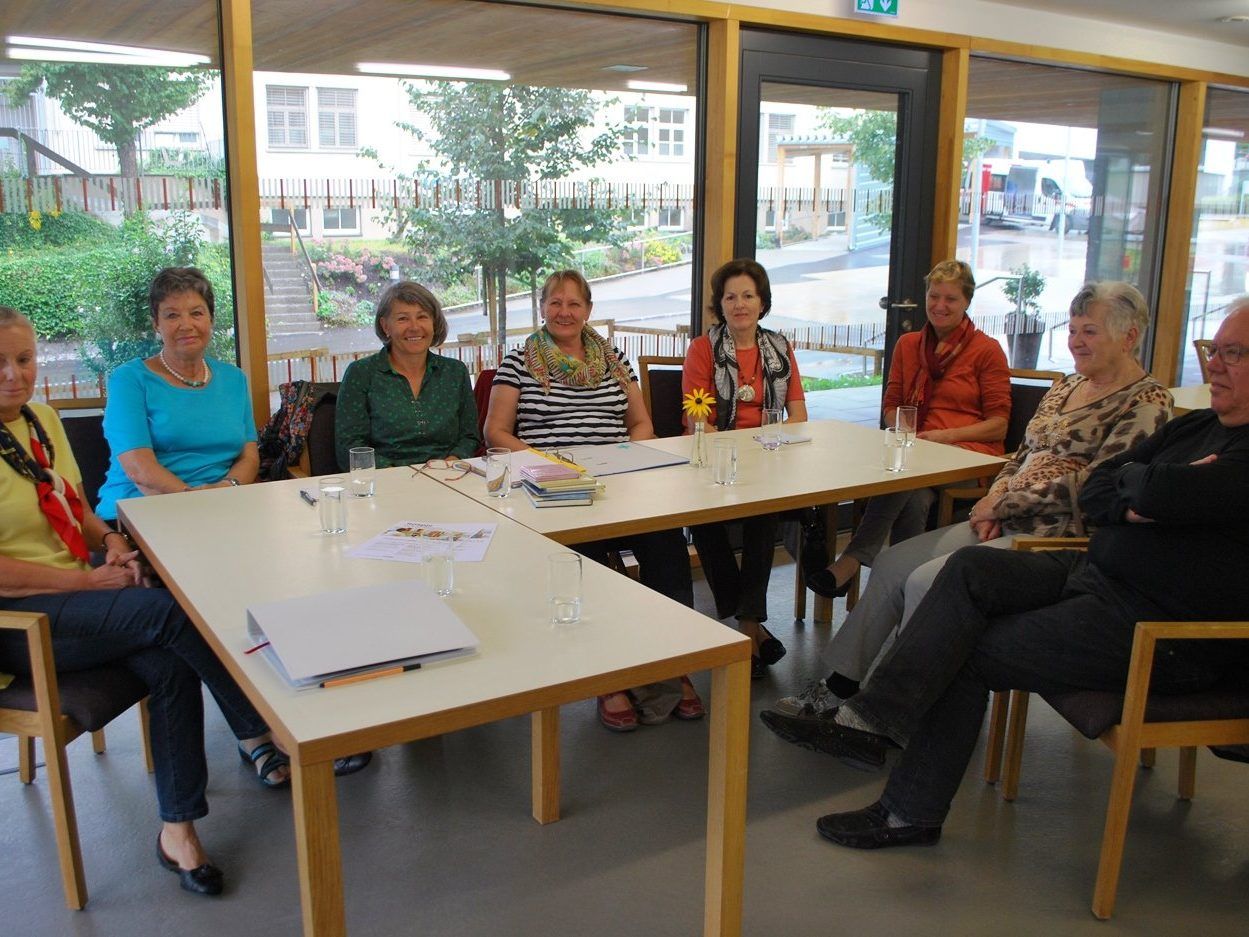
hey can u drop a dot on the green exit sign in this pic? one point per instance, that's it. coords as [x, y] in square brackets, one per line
[877, 7]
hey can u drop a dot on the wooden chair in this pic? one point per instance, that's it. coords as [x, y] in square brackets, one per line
[58, 708]
[1202, 346]
[1027, 387]
[481, 396]
[660, 379]
[1134, 723]
[319, 456]
[85, 432]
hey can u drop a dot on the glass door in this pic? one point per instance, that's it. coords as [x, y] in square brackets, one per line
[835, 192]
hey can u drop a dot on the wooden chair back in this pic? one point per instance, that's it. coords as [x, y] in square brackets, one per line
[1202, 346]
[481, 395]
[660, 380]
[83, 419]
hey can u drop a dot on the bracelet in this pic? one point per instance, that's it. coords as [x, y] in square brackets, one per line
[118, 533]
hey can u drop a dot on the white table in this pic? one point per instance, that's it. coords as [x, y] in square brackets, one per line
[1192, 397]
[841, 463]
[222, 550]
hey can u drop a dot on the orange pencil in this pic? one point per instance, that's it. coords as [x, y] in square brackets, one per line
[359, 677]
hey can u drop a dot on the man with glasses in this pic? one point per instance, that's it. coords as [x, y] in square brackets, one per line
[1171, 543]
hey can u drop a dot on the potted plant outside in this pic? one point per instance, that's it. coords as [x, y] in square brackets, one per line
[1024, 327]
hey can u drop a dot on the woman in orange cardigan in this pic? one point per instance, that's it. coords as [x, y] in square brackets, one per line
[957, 378]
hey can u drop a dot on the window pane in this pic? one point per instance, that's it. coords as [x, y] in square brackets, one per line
[1063, 182]
[101, 187]
[1219, 268]
[474, 188]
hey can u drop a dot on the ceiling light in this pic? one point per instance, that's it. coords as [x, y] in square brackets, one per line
[1222, 133]
[625, 68]
[73, 50]
[433, 71]
[1238, 18]
[656, 86]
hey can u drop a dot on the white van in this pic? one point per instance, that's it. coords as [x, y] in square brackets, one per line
[1030, 191]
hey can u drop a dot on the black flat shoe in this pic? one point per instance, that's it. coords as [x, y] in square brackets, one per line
[869, 829]
[770, 649]
[823, 582]
[821, 734]
[352, 763]
[202, 880]
[758, 670]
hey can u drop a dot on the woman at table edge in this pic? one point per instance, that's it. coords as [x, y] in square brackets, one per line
[409, 403]
[957, 379]
[98, 616]
[569, 386]
[177, 420]
[749, 369]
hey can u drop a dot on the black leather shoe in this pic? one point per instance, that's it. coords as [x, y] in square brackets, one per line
[823, 582]
[758, 669]
[352, 763]
[770, 649]
[822, 734]
[869, 829]
[202, 880]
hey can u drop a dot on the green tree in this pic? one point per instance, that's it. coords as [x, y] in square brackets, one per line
[116, 102]
[874, 136]
[491, 135]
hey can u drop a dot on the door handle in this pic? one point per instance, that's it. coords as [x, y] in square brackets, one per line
[905, 304]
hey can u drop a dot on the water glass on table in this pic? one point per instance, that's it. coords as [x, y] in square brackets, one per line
[724, 462]
[563, 587]
[331, 506]
[770, 429]
[362, 463]
[894, 455]
[906, 422]
[439, 560]
[498, 472]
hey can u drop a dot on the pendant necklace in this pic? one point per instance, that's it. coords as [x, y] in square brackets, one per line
[185, 380]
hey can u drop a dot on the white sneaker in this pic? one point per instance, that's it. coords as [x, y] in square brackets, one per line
[815, 699]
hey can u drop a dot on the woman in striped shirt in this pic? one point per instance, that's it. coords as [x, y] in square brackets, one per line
[569, 386]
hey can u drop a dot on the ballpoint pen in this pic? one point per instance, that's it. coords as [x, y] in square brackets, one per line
[312, 502]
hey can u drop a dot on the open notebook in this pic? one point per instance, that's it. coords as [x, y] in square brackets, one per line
[320, 638]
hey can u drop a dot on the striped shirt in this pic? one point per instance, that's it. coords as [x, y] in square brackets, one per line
[567, 416]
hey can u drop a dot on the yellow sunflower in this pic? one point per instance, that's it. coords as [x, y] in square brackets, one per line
[697, 404]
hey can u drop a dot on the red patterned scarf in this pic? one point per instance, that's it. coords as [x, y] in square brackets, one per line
[933, 365]
[58, 500]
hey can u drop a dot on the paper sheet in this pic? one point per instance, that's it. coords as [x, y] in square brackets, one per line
[402, 541]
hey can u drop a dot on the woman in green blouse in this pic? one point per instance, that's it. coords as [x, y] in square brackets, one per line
[408, 404]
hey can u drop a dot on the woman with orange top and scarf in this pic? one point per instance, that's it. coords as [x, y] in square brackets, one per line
[957, 379]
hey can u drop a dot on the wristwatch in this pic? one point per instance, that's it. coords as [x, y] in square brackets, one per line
[234, 482]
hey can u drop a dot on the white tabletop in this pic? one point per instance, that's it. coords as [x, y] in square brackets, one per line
[223, 550]
[842, 462]
[1193, 397]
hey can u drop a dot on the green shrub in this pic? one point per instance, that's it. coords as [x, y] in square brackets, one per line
[662, 252]
[38, 230]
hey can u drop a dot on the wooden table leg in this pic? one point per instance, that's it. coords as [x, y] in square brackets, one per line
[726, 799]
[317, 848]
[544, 736]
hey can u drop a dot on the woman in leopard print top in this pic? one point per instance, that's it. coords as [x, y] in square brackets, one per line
[1108, 406]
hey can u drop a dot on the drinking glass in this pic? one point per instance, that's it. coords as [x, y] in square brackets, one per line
[906, 422]
[362, 463]
[724, 462]
[894, 455]
[770, 429]
[498, 472]
[332, 508]
[439, 556]
[563, 587]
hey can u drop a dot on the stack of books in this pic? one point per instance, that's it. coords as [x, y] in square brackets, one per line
[557, 486]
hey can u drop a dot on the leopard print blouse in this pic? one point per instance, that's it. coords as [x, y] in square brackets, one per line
[1038, 485]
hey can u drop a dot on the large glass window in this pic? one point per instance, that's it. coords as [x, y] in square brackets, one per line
[1219, 270]
[1063, 183]
[112, 166]
[475, 162]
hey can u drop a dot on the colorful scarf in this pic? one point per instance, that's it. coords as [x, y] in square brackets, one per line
[58, 500]
[933, 366]
[773, 361]
[547, 363]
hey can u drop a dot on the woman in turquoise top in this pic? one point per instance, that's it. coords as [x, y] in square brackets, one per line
[177, 421]
[408, 404]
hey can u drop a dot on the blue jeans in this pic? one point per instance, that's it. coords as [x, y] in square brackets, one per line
[147, 632]
[997, 620]
[741, 592]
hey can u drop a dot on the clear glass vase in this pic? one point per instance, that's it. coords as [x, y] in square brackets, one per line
[698, 452]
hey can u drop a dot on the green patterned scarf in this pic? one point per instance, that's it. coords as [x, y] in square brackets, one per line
[547, 363]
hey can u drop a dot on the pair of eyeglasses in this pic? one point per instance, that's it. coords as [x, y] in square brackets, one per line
[1231, 354]
[442, 465]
